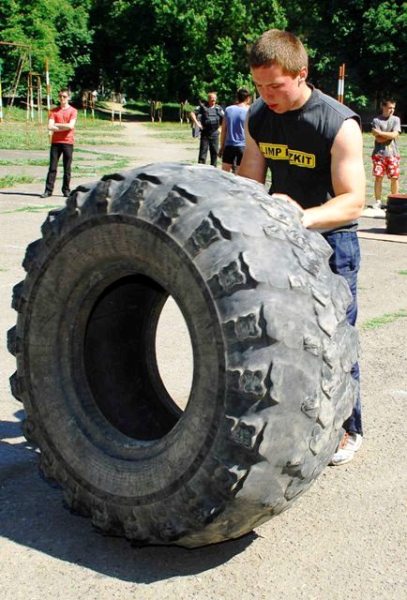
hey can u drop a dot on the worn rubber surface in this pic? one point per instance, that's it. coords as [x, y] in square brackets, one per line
[396, 222]
[272, 354]
[396, 214]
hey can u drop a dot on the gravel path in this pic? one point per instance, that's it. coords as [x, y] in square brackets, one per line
[345, 538]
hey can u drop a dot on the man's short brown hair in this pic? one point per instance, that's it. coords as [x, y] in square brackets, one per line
[279, 47]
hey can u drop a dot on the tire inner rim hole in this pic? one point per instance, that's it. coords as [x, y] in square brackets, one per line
[138, 358]
[175, 358]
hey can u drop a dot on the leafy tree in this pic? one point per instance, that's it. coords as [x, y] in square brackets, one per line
[56, 30]
[202, 45]
[385, 47]
[179, 49]
[369, 36]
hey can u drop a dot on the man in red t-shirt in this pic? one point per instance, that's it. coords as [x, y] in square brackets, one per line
[61, 123]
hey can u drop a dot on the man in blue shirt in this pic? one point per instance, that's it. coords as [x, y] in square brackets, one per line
[232, 141]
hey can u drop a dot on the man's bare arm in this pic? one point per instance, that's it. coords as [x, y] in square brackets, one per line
[52, 126]
[223, 133]
[195, 120]
[253, 164]
[384, 136]
[348, 178]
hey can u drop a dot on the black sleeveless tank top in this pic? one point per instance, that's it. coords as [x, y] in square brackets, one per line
[297, 146]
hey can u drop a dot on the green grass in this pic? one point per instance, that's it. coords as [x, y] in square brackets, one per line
[94, 141]
[32, 209]
[95, 170]
[383, 320]
[29, 162]
[22, 136]
[99, 133]
[174, 132]
[17, 134]
[12, 180]
[402, 272]
[95, 155]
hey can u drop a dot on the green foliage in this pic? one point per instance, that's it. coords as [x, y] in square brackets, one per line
[172, 49]
[369, 36]
[179, 49]
[56, 30]
[385, 43]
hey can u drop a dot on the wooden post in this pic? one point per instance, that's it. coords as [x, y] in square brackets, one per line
[27, 115]
[47, 85]
[341, 83]
[1, 94]
[30, 97]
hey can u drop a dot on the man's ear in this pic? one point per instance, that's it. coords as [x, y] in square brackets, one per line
[303, 74]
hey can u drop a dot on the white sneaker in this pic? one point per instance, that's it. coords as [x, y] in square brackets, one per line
[374, 204]
[350, 443]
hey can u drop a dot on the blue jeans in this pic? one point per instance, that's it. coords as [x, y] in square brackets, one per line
[345, 261]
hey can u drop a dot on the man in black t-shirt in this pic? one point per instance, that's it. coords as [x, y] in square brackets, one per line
[208, 118]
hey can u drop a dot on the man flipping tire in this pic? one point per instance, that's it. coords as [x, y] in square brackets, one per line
[313, 147]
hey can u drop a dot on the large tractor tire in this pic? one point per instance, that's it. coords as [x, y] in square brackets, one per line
[272, 354]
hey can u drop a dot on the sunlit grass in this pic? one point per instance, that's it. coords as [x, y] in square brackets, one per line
[96, 141]
[29, 162]
[32, 209]
[95, 155]
[88, 170]
[170, 131]
[18, 134]
[12, 180]
[385, 319]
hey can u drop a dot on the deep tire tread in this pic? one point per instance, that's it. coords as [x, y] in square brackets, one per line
[287, 316]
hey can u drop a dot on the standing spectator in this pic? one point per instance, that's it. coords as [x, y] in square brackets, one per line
[232, 139]
[61, 124]
[313, 146]
[208, 118]
[386, 156]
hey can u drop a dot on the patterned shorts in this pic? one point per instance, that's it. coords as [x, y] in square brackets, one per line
[386, 165]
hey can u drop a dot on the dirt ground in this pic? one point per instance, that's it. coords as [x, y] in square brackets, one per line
[345, 538]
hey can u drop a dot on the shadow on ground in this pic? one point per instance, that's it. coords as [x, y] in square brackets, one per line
[36, 194]
[32, 515]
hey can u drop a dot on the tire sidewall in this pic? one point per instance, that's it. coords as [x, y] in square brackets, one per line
[81, 265]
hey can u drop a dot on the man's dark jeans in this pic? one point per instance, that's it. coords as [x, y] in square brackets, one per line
[345, 261]
[211, 143]
[55, 152]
